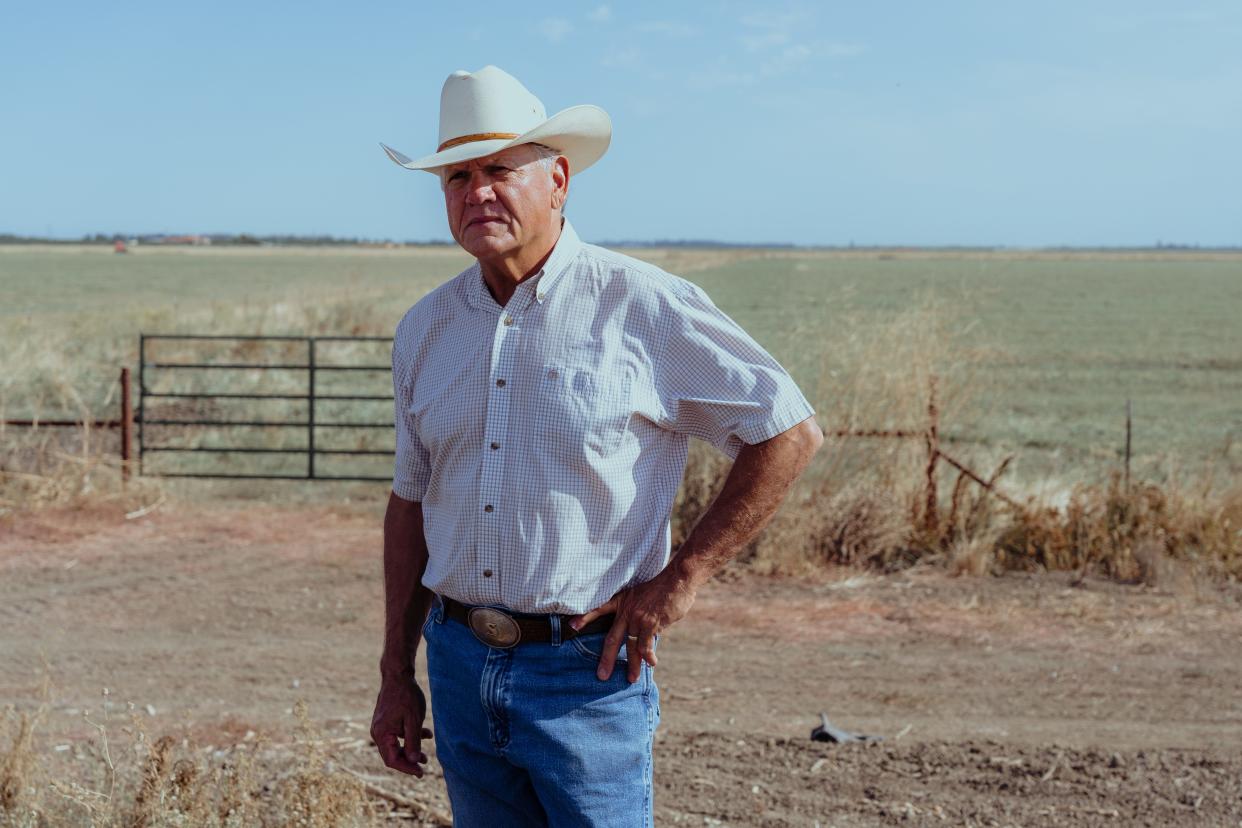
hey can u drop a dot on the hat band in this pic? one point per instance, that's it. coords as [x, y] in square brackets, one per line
[478, 136]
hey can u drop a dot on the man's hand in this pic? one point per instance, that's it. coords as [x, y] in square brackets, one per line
[761, 475]
[401, 707]
[643, 612]
[399, 714]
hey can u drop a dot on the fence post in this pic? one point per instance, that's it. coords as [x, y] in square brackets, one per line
[1128, 445]
[127, 426]
[310, 413]
[931, 517]
[142, 395]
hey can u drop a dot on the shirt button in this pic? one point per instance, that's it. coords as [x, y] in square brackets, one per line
[508, 320]
[487, 508]
[553, 374]
[487, 573]
[495, 446]
[500, 383]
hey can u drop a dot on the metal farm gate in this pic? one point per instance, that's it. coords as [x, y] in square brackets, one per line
[265, 407]
[329, 407]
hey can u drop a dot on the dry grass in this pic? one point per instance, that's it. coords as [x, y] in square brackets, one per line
[171, 781]
[17, 765]
[65, 373]
[863, 502]
[1130, 533]
[1148, 533]
[59, 467]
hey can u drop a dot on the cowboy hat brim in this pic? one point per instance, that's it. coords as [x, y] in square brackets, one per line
[580, 133]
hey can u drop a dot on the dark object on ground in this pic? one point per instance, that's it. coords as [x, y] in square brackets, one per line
[828, 732]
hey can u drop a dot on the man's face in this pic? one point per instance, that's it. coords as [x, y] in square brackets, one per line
[501, 202]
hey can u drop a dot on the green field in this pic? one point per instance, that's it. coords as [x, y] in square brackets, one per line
[1039, 352]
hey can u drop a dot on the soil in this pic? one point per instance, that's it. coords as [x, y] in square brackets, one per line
[1023, 700]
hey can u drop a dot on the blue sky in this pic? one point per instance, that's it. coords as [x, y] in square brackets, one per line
[813, 123]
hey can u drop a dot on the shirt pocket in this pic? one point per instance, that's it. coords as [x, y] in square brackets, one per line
[583, 410]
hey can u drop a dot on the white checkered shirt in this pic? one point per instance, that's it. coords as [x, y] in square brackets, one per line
[546, 439]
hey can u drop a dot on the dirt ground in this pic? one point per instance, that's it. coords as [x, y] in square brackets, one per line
[1023, 700]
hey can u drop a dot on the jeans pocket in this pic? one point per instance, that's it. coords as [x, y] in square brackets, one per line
[432, 615]
[591, 646]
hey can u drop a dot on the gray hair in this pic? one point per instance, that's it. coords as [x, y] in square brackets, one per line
[546, 156]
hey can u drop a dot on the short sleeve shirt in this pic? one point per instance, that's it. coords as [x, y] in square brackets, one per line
[546, 439]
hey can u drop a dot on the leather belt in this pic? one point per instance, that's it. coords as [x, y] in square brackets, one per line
[501, 629]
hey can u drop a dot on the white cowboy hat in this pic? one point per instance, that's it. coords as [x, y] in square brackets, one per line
[489, 110]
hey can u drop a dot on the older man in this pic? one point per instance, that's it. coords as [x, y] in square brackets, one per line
[544, 401]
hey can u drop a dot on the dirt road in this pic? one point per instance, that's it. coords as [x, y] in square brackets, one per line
[1014, 701]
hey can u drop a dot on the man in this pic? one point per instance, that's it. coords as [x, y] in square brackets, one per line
[544, 401]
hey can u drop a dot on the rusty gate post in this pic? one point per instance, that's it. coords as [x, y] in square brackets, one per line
[127, 426]
[1128, 434]
[931, 517]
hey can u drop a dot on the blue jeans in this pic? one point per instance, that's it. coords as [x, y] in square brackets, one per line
[528, 736]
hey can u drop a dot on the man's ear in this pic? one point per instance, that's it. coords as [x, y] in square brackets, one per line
[560, 182]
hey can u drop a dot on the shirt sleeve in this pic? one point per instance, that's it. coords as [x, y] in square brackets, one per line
[716, 383]
[412, 464]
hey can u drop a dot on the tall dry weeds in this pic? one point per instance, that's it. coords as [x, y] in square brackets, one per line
[316, 792]
[172, 781]
[18, 790]
[37, 472]
[65, 367]
[1128, 532]
[863, 501]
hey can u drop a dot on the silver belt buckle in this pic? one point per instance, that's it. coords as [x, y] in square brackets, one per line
[494, 628]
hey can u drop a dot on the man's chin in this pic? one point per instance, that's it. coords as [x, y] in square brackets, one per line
[483, 245]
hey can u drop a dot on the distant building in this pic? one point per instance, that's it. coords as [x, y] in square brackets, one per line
[195, 240]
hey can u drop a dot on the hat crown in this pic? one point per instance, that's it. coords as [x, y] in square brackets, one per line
[489, 101]
[485, 112]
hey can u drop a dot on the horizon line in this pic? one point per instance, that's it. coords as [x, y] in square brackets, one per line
[322, 239]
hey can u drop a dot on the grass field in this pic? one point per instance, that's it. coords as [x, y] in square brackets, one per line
[1044, 348]
[186, 621]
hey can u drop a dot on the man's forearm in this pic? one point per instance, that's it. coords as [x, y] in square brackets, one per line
[761, 476]
[406, 600]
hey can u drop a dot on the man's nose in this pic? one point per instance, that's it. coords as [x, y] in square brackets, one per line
[479, 190]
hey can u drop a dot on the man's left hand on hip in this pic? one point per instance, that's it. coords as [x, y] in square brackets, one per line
[642, 613]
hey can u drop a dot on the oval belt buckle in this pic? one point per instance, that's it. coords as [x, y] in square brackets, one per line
[494, 628]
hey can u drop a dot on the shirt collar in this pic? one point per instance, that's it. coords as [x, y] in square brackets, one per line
[563, 253]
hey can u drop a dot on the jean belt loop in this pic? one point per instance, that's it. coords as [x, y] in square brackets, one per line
[437, 609]
[555, 621]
